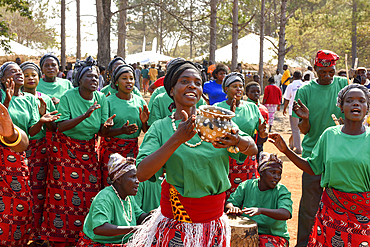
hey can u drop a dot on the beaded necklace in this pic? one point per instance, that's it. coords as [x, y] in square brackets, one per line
[123, 207]
[174, 128]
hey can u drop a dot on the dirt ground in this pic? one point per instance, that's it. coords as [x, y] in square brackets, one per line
[291, 176]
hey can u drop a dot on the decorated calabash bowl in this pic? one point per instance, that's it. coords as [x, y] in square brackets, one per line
[212, 122]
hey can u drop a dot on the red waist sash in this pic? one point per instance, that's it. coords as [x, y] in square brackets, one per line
[186, 209]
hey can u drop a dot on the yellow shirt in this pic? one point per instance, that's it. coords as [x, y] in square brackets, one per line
[286, 75]
[153, 73]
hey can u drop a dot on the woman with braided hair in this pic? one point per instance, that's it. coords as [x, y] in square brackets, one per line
[344, 211]
[193, 192]
[74, 173]
[249, 120]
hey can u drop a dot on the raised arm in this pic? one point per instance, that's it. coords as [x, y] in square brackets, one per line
[303, 113]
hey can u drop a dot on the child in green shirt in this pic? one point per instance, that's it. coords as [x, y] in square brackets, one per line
[265, 201]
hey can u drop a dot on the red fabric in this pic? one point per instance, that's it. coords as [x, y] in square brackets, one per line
[325, 58]
[73, 180]
[272, 241]
[264, 112]
[37, 157]
[272, 95]
[159, 82]
[343, 219]
[109, 145]
[86, 241]
[15, 199]
[200, 210]
[240, 172]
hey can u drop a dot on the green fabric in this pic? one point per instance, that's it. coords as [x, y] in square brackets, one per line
[157, 91]
[24, 112]
[72, 105]
[343, 160]
[108, 89]
[149, 195]
[3, 96]
[254, 102]
[131, 112]
[247, 116]
[195, 172]
[107, 208]
[54, 89]
[160, 107]
[49, 108]
[321, 102]
[249, 195]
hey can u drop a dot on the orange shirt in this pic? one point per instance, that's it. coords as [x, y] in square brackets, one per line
[211, 68]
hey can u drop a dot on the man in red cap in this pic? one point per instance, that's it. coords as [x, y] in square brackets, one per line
[314, 105]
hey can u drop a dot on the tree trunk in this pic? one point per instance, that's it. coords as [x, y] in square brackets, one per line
[161, 30]
[262, 34]
[354, 32]
[63, 34]
[191, 29]
[235, 36]
[78, 54]
[103, 23]
[282, 41]
[122, 26]
[213, 31]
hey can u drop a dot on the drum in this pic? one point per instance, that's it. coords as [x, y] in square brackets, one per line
[244, 232]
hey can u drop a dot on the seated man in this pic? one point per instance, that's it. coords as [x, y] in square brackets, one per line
[265, 201]
[114, 214]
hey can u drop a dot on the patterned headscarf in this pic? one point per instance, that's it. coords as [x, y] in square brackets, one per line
[174, 70]
[120, 165]
[268, 160]
[81, 67]
[342, 94]
[42, 60]
[124, 68]
[3, 68]
[31, 65]
[231, 78]
[325, 58]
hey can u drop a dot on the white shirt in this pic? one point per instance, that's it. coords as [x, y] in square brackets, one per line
[290, 92]
[312, 75]
[277, 79]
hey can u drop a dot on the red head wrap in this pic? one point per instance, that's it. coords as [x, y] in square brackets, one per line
[325, 58]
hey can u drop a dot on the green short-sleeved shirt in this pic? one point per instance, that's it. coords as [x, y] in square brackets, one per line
[54, 89]
[321, 102]
[24, 112]
[156, 92]
[49, 108]
[125, 110]
[247, 116]
[160, 107]
[343, 160]
[249, 195]
[194, 172]
[72, 105]
[106, 208]
[149, 195]
[108, 89]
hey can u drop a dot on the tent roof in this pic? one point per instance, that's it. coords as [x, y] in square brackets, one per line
[147, 57]
[19, 49]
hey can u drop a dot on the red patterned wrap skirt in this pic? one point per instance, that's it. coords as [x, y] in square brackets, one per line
[86, 241]
[37, 157]
[240, 172]
[343, 219]
[15, 199]
[272, 241]
[109, 145]
[74, 179]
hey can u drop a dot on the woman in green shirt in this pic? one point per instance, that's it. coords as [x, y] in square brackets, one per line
[344, 211]
[131, 117]
[110, 88]
[249, 120]
[114, 214]
[36, 153]
[74, 173]
[196, 179]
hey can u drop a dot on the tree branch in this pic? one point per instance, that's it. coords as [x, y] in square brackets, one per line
[242, 26]
[129, 7]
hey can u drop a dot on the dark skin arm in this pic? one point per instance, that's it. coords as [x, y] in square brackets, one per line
[276, 214]
[286, 103]
[280, 144]
[52, 126]
[303, 113]
[47, 118]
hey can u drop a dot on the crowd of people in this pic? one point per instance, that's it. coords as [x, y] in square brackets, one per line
[72, 161]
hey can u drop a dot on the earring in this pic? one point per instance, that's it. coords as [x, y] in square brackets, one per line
[116, 85]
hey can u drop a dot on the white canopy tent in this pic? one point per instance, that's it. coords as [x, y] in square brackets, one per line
[147, 57]
[249, 49]
[19, 49]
